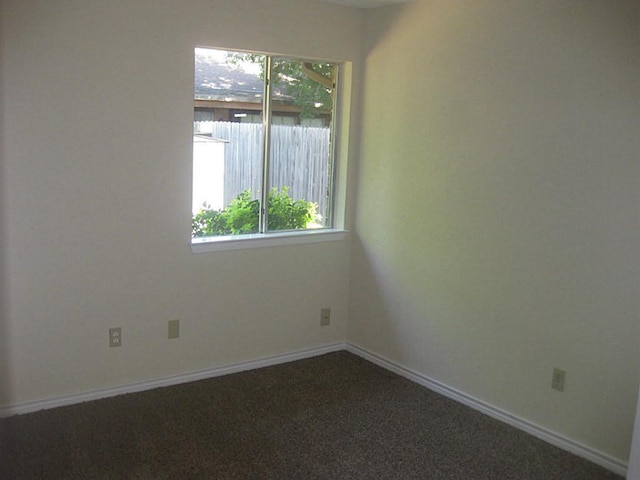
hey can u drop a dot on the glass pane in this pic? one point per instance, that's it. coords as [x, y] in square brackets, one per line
[300, 149]
[227, 142]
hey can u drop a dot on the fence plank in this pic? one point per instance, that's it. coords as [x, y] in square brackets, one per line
[299, 159]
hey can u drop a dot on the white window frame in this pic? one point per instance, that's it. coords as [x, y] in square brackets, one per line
[335, 232]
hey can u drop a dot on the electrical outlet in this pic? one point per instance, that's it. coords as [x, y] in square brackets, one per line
[325, 317]
[115, 337]
[174, 328]
[557, 381]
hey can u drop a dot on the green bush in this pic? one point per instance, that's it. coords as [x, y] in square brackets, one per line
[242, 214]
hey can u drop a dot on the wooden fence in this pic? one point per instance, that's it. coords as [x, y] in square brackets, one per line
[300, 159]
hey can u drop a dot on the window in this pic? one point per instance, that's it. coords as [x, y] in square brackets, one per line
[263, 159]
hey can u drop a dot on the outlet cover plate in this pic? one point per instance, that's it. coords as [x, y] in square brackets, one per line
[557, 381]
[174, 328]
[115, 337]
[325, 317]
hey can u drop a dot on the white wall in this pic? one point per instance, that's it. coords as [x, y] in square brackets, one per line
[497, 231]
[97, 108]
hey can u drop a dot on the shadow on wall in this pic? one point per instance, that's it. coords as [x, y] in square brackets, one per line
[383, 20]
[370, 317]
[371, 311]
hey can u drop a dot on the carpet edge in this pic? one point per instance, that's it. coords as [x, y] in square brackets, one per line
[593, 455]
[167, 381]
[605, 460]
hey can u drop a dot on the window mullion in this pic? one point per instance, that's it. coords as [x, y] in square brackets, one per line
[332, 148]
[266, 125]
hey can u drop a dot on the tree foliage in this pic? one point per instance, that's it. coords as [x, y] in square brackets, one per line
[290, 81]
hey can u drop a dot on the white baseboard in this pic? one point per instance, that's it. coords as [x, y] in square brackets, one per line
[610, 463]
[607, 461]
[62, 401]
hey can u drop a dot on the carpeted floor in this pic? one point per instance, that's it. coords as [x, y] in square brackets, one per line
[330, 417]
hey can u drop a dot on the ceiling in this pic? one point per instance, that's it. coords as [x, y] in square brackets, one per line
[365, 3]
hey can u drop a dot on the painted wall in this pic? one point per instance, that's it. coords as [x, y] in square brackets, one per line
[497, 231]
[97, 109]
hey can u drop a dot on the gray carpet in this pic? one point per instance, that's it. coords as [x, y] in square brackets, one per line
[330, 417]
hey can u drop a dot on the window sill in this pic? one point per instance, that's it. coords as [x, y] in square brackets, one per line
[240, 242]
